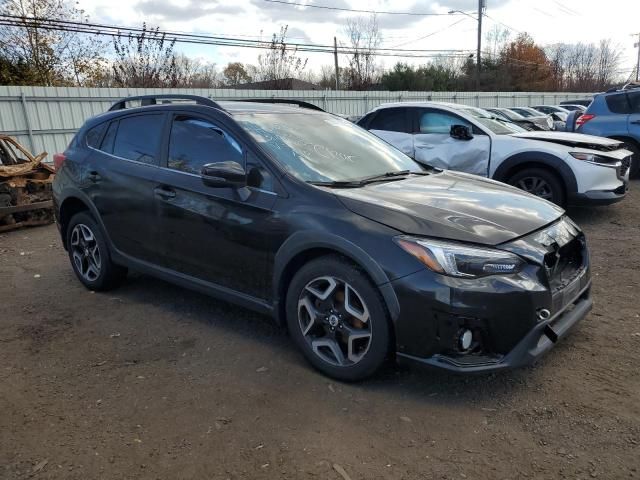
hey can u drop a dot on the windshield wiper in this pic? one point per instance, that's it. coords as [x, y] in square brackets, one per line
[367, 180]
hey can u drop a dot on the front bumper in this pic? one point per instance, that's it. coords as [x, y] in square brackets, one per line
[514, 319]
[534, 345]
[599, 197]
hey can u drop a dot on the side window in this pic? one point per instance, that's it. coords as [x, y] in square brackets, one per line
[618, 103]
[634, 100]
[109, 138]
[94, 135]
[195, 142]
[138, 138]
[439, 122]
[390, 120]
[257, 175]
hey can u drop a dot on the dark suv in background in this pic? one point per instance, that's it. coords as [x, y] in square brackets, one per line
[615, 115]
[361, 252]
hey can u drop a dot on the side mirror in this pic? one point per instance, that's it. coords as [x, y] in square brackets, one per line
[224, 174]
[460, 132]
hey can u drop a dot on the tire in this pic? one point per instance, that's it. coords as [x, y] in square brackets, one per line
[540, 182]
[351, 314]
[634, 169]
[89, 254]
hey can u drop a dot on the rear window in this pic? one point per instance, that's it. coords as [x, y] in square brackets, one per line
[138, 138]
[94, 135]
[618, 103]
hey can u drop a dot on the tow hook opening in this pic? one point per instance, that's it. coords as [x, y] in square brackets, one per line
[543, 314]
[551, 335]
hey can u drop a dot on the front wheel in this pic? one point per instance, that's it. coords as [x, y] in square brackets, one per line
[338, 319]
[541, 183]
[634, 168]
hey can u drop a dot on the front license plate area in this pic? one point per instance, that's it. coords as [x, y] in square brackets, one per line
[569, 293]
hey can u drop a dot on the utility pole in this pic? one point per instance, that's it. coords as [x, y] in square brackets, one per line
[335, 58]
[478, 56]
[637, 45]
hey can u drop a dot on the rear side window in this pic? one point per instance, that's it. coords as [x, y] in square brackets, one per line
[138, 138]
[109, 138]
[390, 120]
[94, 135]
[618, 103]
[634, 100]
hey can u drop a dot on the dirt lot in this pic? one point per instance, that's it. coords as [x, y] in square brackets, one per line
[152, 381]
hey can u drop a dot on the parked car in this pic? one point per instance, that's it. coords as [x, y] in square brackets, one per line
[558, 119]
[539, 118]
[583, 101]
[543, 122]
[564, 168]
[573, 108]
[553, 110]
[615, 115]
[359, 250]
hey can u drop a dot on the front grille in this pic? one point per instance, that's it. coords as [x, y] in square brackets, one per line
[564, 264]
[626, 163]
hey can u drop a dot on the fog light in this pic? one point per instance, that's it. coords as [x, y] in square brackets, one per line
[465, 339]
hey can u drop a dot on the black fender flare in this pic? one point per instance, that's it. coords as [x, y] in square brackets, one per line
[308, 240]
[78, 194]
[543, 159]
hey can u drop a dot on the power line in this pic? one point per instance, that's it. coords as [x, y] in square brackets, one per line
[503, 24]
[430, 34]
[342, 9]
[117, 31]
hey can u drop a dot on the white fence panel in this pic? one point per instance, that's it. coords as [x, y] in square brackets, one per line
[46, 118]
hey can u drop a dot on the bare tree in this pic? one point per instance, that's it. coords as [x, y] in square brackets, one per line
[281, 60]
[193, 73]
[144, 60]
[363, 37]
[56, 57]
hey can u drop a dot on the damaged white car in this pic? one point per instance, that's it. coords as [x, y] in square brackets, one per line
[564, 168]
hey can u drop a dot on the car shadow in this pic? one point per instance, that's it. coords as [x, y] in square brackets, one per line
[427, 384]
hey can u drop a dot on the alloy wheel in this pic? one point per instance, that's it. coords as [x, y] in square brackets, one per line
[334, 321]
[536, 186]
[85, 252]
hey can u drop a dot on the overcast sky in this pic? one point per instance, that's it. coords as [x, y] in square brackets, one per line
[548, 21]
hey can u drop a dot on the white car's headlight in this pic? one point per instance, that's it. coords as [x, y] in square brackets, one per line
[594, 158]
[459, 260]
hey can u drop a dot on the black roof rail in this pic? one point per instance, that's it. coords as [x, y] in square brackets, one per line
[146, 100]
[300, 103]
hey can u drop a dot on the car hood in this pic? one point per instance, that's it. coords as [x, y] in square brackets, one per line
[453, 206]
[573, 140]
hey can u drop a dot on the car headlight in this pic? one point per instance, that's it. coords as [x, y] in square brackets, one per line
[594, 158]
[459, 260]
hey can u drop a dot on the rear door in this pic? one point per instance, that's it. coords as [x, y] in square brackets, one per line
[214, 234]
[634, 117]
[119, 177]
[434, 145]
[393, 125]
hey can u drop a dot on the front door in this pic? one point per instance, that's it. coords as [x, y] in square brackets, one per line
[435, 146]
[212, 234]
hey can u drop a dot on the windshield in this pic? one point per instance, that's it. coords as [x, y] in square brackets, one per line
[323, 147]
[493, 123]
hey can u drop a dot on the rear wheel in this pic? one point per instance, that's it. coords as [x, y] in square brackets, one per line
[338, 319]
[90, 256]
[541, 183]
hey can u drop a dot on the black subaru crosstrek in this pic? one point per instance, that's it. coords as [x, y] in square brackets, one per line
[361, 252]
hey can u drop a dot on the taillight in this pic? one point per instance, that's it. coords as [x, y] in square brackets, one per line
[584, 118]
[58, 160]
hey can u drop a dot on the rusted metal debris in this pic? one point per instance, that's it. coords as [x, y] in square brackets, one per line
[25, 187]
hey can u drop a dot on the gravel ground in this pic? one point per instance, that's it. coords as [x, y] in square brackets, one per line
[153, 381]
